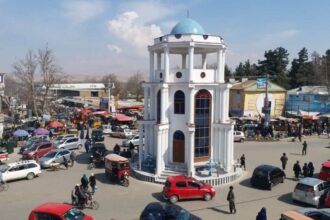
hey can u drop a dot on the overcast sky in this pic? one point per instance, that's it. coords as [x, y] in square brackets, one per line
[96, 37]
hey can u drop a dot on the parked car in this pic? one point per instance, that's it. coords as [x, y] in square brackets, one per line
[239, 136]
[57, 211]
[267, 176]
[61, 116]
[293, 215]
[100, 147]
[20, 170]
[38, 149]
[61, 137]
[183, 187]
[69, 143]
[311, 191]
[325, 171]
[97, 135]
[54, 156]
[121, 132]
[106, 129]
[38, 138]
[161, 210]
[134, 139]
[319, 214]
[326, 198]
[28, 145]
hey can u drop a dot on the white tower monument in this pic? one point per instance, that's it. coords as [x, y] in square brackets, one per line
[186, 103]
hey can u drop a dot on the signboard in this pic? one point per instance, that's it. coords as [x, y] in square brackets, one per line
[261, 83]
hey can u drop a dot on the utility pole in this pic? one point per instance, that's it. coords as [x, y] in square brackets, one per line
[109, 102]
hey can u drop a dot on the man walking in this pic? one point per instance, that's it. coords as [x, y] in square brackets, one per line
[231, 200]
[243, 161]
[304, 150]
[72, 157]
[284, 161]
[92, 182]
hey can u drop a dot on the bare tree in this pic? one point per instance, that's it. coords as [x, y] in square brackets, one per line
[25, 71]
[51, 73]
[119, 86]
[134, 85]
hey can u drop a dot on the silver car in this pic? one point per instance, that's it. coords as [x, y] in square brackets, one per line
[61, 137]
[310, 190]
[54, 156]
[69, 143]
[315, 213]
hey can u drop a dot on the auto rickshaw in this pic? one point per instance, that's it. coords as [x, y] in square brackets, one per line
[117, 168]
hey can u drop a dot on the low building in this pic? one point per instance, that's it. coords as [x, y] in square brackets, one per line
[82, 90]
[308, 100]
[247, 99]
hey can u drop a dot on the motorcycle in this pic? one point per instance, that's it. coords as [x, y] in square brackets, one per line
[124, 180]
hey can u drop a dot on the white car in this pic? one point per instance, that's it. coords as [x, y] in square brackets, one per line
[121, 132]
[20, 170]
[61, 137]
[106, 129]
[239, 136]
[69, 143]
[135, 140]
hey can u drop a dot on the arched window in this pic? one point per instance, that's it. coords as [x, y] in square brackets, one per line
[179, 102]
[159, 100]
[203, 104]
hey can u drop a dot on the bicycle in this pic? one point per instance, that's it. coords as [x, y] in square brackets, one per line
[4, 187]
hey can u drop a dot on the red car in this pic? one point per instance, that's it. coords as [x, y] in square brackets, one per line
[39, 149]
[58, 211]
[183, 187]
[325, 171]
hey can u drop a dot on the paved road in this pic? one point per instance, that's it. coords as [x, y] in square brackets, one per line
[117, 202]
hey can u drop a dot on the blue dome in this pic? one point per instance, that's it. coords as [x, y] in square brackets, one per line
[187, 26]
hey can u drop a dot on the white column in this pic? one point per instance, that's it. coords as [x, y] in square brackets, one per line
[152, 102]
[152, 66]
[164, 103]
[191, 62]
[222, 75]
[166, 64]
[141, 145]
[219, 64]
[159, 61]
[204, 61]
[225, 102]
[190, 106]
[159, 152]
[146, 106]
[191, 141]
[184, 61]
[225, 149]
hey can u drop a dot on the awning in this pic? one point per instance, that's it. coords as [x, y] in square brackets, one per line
[122, 117]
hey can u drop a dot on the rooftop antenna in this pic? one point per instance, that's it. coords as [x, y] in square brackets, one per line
[187, 13]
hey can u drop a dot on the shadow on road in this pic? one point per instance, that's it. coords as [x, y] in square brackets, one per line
[246, 183]
[82, 158]
[219, 210]
[286, 198]
[158, 196]
[296, 154]
[102, 178]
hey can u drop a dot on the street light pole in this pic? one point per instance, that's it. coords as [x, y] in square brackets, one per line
[266, 105]
[109, 93]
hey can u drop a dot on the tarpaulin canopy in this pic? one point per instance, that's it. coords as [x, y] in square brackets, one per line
[55, 124]
[20, 133]
[122, 117]
[41, 131]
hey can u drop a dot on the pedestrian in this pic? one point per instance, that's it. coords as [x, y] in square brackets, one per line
[87, 134]
[50, 134]
[75, 195]
[284, 161]
[87, 145]
[262, 215]
[36, 158]
[84, 181]
[231, 200]
[305, 170]
[92, 182]
[311, 169]
[82, 133]
[297, 169]
[242, 159]
[304, 150]
[116, 149]
[72, 157]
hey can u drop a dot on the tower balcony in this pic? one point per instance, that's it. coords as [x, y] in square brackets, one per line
[182, 75]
